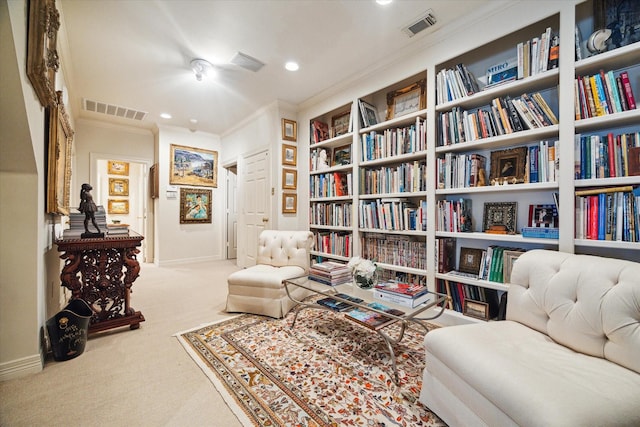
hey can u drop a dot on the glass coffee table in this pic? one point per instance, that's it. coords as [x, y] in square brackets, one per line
[376, 317]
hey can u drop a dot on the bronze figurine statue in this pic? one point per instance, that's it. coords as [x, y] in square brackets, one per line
[88, 207]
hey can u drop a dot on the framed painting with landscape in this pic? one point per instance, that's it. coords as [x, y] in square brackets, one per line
[193, 166]
[118, 186]
[118, 206]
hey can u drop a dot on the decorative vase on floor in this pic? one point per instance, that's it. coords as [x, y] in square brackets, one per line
[364, 282]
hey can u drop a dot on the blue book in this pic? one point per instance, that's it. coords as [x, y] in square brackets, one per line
[533, 163]
[602, 215]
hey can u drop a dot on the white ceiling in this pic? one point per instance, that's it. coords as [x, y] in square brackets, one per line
[136, 53]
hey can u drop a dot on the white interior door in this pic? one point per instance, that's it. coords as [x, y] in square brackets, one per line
[256, 205]
[232, 213]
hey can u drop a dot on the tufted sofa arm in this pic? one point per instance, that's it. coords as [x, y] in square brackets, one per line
[281, 248]
[587, 303]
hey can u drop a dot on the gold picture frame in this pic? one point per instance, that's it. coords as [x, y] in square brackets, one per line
[59, 159]
[508, 166]
[118, 206]
[195, 205]
[118, 186]
[116, 167]
[42, 56]
[289, 179]
[407, 100]
[477, 309]
[289, 130]
[289, 155]
[193, 166]
[289, 203]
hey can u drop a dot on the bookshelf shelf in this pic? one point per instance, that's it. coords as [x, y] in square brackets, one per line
[332, 199]
[413, 194]
[538, 186]
[606, 182]
[335, 141]
[612, 59]
[395, 232]
[329, 227]
[473, 281]
[607, 244]
[512, 238]
[330, 255]
[502, 141]
[625, 118]
[395, 159]
[339, 168]
[395, 122]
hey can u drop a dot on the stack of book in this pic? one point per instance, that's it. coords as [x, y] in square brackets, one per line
[372, 319]
[336, 305]
[330, 273]
[404, 294]
[117, 229]
[76, 223]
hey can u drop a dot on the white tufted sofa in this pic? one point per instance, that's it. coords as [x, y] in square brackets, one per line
[258, 289]
[567, 355]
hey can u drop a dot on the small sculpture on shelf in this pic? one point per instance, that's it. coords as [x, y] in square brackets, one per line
[88, 208]
[323, 162]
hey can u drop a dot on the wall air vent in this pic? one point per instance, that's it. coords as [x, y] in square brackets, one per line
[113, 110]
[425, 21]
[245, 61]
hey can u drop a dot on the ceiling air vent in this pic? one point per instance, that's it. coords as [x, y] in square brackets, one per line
[113, 110]
[425, 21]
[245, 61]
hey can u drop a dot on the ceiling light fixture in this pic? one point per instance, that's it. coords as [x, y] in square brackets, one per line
[201, 67]
[292, 66]
[165, 115]
[383, 2]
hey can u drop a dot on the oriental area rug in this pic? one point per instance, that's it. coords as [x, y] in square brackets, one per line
[326, 371]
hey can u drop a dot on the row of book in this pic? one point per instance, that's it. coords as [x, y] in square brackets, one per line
[607, 156]
[402, 251]
[76, 223]
[538, 55]
[608, 214]
[603, 93]
[458, 293]
[405, 177]
[334, 214]
[333, 242]
[394, 142]
[392, 214]
[493, 261]
[330, 273]
[543, 162]
[504, 115]
[454, 215]
[460, 170]
[331, 184]
[455, 83]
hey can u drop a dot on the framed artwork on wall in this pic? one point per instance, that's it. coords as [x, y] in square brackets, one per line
[289, 179]
[289, 203]
[115, 167]
[154, 185]
[59, 159]
[289, 130]
[195, 206]
[42, 56]
[118, 206]
[193, 166]
[118, 186]
[289, 155]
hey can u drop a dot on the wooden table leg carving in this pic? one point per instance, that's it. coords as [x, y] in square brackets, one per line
[101, 271]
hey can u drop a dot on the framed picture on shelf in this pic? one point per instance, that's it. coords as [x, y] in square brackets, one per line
[508, 166]
[470, 260]
[509, 258]
[59, 161]
[342, 155]
[118, 186]
[622, 17]
[118, 206]
[543, 216]
[407, 100]
[340, 124]
[289, 179]
[500, 217]
[193, 166]
[369, 114]
[289, 203]
[289, 130]
[115, 167]
[289, 155]
[319, 131]
[477, 309]
[195, 205]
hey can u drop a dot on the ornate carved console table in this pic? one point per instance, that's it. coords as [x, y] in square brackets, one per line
[101, 271]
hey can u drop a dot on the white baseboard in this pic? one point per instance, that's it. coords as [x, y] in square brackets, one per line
[169, 263]
[21, 367]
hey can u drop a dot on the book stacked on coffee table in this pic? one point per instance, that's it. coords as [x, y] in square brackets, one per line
[330, 273]
[406, 294]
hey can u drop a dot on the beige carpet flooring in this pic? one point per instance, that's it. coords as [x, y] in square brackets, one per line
[134, 377]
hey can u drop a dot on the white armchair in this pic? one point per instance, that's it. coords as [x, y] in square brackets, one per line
[258, 289]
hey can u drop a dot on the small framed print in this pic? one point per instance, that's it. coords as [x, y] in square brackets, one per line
[289, 130]
[508, 166]
[342, 155]
[289, 179]
[340, 124]
[369, 114]
[470, 260]
[477, 309]
[115, 167]
[118, 186]
[543, 216]
[289, 203]
[289, 155]
[195, 205]
[407, 100]
[500, 217]
[118, 206]
[509, 257]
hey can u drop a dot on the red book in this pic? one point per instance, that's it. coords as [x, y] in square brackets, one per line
[628, 92]
[611, 152]
[592, 227]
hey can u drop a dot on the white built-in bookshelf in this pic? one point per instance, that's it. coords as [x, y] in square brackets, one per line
[432, 161]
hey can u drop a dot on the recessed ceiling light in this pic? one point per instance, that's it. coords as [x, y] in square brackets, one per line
[383, 2]
[291, 66]
[193, 121]
[165, 115]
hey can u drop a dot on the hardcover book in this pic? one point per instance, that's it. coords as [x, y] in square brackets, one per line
[372, 319]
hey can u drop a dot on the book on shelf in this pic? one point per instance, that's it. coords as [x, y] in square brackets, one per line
[337, 305]
[603, 93]
[502, 72]
[610, 213]
[445, 254]
[319, 131]
[540, 233]
[372, 319]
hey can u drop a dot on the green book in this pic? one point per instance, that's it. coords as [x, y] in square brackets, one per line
[496, 262]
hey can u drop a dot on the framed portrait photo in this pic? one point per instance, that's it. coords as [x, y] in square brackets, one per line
[193, 166]
[508, 166]
[289, 179]
[118, 186]
[289, 155]
[195, 205]
[500, 217]
[289, 202]
[115, 167]
[118, 206]
[407, 100]
[289, 130]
